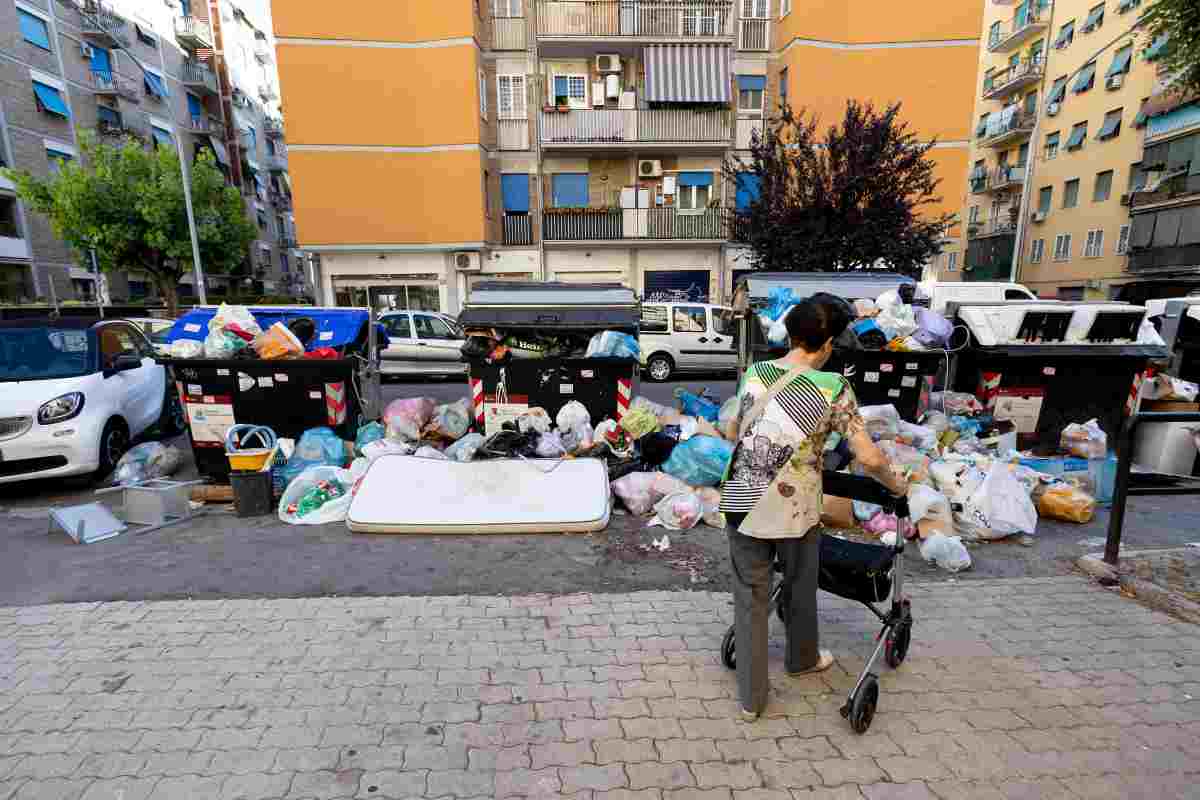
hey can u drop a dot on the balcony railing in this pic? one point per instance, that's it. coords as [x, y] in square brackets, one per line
[636, 126]
[514, 134]
[508, 33]
[193, 32]
[1171, 186]
[204, 124]
[999, 179]
[101, 25]
[686, 20]
[281, 200]
[1013, 78]
[614, 224]
[272, 128]
[978, 230]
[1030, 19]
[754, 34]
[286, 241]
[1003, 133]
[277, 162]
[198, 76]
[110, 84]
[517, 229]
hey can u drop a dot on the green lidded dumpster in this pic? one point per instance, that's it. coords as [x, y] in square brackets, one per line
[547, 328]
[287, 395]
[879, 377]
[1047, 364]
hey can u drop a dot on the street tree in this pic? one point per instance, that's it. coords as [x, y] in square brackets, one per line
[1179, 22]
[853, 199]
[126, 203]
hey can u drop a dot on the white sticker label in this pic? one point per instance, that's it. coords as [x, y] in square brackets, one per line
[245, 382]
[1049, 370]
[266, 382]
[209, 422]
[893, 392]
[208, 398]
[909, 382]
[911, 366]
[887, 367]
[326, 336]
[191, 327]
[195, 388]
[222, 372]
[871, 377]
[586, 373]
[281, 377]
[566, 388]
[315, 395]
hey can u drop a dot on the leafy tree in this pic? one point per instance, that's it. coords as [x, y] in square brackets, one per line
[1179, 21]
[851, 200]
[126, 203]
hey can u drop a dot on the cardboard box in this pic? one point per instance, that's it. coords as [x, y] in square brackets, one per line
[1168, 405]
[838, 512]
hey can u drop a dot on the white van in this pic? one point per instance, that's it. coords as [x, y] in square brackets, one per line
[942, 292]
[686, 337]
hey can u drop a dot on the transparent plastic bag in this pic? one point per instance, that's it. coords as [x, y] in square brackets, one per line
[657, 409]
[550, 445]
[535, 419]
[186, 348]
[385, 447]
[711, 498]
[234, 315]
[405, 418]
[614, 344]
[700, 461]
[918, 436]
[636, 492]
[680, 511]
[955, 403]
[697, 405]
[306, 484]
[1065, 502]
[450, 421]
[426, 451]
[948, 552]
[728, 414]
[278, 342]
[465, 448]
[222, 344]
[1085, 441]
[638, 421]
[572, 415]
[147, 461]
[370, 432]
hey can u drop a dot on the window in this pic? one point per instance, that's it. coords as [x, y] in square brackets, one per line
[1023, 154]
[428, 327]
[1126, 6]
[262, 219]
[723, 321]
[995, 32]
[1058, 90]
[482, 95]
[569, 189]
[8, 217]
[973, 215]
[755, 9]
[50, 100]
[785, 8]
[285, 266]
[654, 319]
[569, 90]
[783, 86]
[1095, 19]
[1062, 247]
[511, 102]
[34, 29]
[1052, 145]
[1071, 193]
[1037, 251]
[1120, 63]
[1066, 35]
[398, 326]
[750, 92]
[951, 262]
[1078, 136]
[689, 319]
[155, 86]
[694, 190]
[514, 191]
[1094, 247]
[1045, 199]
[981, 128]
[108, 116]
[57, 156]
[1086, 79]
[508, 9]
[1157, 48]
[1103, 188]
[145, 37]
[1123, 241]
[1112, 125]
[1030, 105]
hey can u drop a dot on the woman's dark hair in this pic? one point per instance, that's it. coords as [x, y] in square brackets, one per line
[816, 320]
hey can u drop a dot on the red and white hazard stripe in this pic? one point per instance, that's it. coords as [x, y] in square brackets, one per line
[335, 403]
[477, 401]
[1135, 392]
[624, 396]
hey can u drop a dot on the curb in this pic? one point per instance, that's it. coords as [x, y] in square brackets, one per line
[1148, 593]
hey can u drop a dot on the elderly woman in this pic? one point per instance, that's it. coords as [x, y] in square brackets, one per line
[772, 491]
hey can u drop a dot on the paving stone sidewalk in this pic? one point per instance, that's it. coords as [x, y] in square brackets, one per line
[1013, 688]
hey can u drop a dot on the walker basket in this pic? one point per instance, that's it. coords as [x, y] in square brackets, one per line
[856, 571]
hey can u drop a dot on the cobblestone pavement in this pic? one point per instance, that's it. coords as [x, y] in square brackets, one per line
[1015, 688]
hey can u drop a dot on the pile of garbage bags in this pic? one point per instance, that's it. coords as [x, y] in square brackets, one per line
[886, 323]
[499, 346]
[233, 332]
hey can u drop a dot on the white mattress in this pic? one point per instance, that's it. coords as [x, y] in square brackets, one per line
[405, 494]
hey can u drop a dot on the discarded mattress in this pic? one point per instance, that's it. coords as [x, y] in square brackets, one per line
[404, 494]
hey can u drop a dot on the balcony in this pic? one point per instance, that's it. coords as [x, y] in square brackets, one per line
[997, 227]
[267, 94]
[130, 123]
[1029, 21]
[615, 224]
[199, 78]
[1005, 133]
[272, 128]
[1013, 79]
[664, 127]
[754, 33]
[513, 134]
[644, 20]
[101, 25]
[517, 229]
[262, 52]
[193, 33]
[204, 124]
[1169, 187]
[281, 200]
[277, 162]
[509, 33]
[110, 84]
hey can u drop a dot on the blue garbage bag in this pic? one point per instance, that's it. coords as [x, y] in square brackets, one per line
[695, 405]
[700, 461]
[318, 447]
[371, 432]
[778, 302]
[614, 344]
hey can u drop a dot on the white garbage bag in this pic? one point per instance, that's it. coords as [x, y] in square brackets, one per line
[947, 552]
[680, 511]
[999, 507]
[334, 510]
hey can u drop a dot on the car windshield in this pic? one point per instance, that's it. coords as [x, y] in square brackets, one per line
[44, 353]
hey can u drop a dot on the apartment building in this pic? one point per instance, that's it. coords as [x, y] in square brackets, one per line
[209, 77]
[578, 140]
[1064, 98]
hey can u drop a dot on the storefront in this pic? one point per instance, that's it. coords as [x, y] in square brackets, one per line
[410, 293]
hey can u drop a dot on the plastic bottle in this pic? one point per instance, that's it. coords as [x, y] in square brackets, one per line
[318, 496]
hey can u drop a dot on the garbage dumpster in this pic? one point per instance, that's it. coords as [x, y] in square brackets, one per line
[288, 395]
[546, 329]
[1178, 322]
[879, 377]
[1047, 364]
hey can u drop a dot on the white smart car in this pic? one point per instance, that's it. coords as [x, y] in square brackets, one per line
[74, 394]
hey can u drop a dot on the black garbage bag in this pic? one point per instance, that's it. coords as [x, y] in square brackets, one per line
[656, 447]
[509, 444]
[873, 340]
[619, 468]
[305, 328]
[477, 347]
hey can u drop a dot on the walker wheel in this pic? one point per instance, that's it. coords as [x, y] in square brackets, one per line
[860, 708]
[895, 647]
[728, 656]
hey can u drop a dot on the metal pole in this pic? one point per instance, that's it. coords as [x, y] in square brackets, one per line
[1116, 517]
[99, 293]
[197, 270]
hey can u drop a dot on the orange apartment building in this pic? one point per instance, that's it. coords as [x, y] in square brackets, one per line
[433, 145]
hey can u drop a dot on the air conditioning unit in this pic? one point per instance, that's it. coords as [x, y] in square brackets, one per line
[1125, 199]
[467, 261]
[1115, 81]
[1039, 216]
[608, 62]
[1053, 109]
[85, 50]
[649, 169]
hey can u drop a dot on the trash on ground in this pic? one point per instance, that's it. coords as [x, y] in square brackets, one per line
[317, 496]
[147, 461]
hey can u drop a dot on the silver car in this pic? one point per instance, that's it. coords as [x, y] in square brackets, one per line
[421, 343]
[686, 337]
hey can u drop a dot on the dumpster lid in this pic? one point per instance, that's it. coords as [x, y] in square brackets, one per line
[1032, 327]
[849, 284]
[551, 305]
[336, 327]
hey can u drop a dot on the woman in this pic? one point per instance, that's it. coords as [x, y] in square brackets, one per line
[772, 491]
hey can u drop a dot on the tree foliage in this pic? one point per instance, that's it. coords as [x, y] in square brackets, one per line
[851, 200]
[1179, 21]
[126, 203]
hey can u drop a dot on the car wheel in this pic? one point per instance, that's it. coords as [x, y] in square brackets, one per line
[659, 367]
[114, 441]
[173, 420]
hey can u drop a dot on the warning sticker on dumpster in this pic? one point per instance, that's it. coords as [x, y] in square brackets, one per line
[245, 382]
[909, 381]
[266, 382]
[893, 392]
[315, 395]
[1021, 407]
[191, 327]
[1050, 371]
[281, 377]
[209, 422]
[195, 388]
[566, 388]
[911, 366]
[871, 377]
[886, 367]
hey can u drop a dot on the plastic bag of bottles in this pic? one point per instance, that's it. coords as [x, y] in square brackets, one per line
[317, 496]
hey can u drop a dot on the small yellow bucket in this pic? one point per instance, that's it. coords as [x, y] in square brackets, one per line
[250, 460]
[246, 459]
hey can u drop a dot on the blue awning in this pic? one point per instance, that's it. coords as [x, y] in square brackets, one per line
[336, 327]
[695, 179]
[161, 136]
[749, 189]
[515, 191]
[156, 85]
[33, 29]
[51, 99]
[751, 82]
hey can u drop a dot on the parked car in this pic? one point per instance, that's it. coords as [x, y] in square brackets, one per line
[75, 394]
[686, 337]
[421, 343]
[156, 331]
[942, 292]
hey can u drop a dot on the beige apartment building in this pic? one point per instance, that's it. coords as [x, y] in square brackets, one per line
[1061, 114]
[210, 80]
